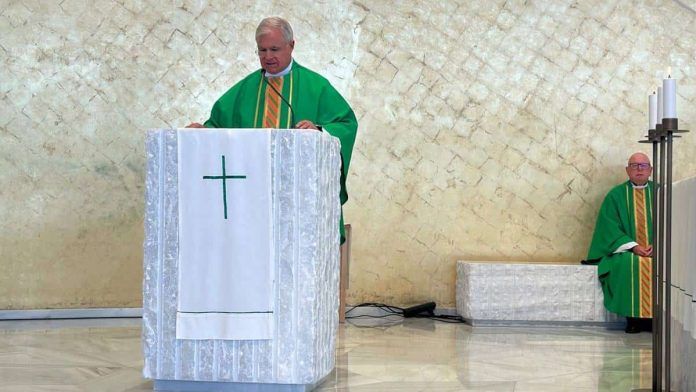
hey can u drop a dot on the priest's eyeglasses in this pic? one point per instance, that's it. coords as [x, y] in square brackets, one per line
[639, 166]
[270, 51]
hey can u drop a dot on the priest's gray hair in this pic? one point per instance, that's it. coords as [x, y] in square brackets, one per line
[274, 23]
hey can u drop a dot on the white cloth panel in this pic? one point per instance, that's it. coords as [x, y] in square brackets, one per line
[225, 235]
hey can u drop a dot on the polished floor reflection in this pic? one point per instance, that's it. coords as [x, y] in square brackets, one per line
[416, 355]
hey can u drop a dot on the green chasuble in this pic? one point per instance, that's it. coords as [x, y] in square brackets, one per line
[625, 216]
[312, 98]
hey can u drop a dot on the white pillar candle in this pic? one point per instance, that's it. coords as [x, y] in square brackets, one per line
[669, 96]
[652, 110]
[659, 105]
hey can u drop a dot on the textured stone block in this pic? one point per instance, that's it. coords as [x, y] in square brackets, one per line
[506, 291]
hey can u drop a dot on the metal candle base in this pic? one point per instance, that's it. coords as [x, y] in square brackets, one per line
[662, 138]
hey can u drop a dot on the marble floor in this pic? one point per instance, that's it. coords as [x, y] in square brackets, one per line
[416, 355]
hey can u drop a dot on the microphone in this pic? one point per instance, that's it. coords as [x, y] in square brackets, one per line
[292, 112]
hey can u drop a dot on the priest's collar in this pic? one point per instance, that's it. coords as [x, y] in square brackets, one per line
[281, 73]
[638, 186]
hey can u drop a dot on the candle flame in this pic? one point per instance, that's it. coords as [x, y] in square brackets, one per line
[669, 72]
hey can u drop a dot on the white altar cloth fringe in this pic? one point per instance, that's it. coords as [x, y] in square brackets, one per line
[225, 236]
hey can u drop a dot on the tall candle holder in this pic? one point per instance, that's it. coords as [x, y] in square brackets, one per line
[662, 139]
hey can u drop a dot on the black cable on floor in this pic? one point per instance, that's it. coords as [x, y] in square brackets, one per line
[397, 311]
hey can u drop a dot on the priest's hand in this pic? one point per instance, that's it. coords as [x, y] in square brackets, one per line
[645, 251]
[195, 125]
[306, 124]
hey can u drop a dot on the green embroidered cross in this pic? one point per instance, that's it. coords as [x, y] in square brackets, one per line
[224, 179]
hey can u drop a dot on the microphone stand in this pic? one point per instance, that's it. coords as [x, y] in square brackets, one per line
[292, 112]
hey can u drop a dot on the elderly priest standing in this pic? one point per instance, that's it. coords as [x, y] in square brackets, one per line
[622, 243]
[284, 94]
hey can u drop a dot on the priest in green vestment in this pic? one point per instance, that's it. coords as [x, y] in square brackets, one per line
[622, 243]
[284, 94]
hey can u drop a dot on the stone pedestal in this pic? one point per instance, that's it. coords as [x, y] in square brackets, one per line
[498, 292]
[306, 210]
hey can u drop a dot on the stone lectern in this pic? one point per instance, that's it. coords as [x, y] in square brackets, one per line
[298, 353]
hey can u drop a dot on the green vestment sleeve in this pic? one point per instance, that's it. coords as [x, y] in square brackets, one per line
[236, 108]
[215, 114]
[338, 119]
[613, 227]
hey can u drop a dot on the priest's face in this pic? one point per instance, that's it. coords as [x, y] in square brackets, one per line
[274, 51]
[639, 169]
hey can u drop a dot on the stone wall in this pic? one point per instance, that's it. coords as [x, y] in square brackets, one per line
[488, 130]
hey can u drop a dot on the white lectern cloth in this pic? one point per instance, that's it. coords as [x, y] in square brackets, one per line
[225, 263]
